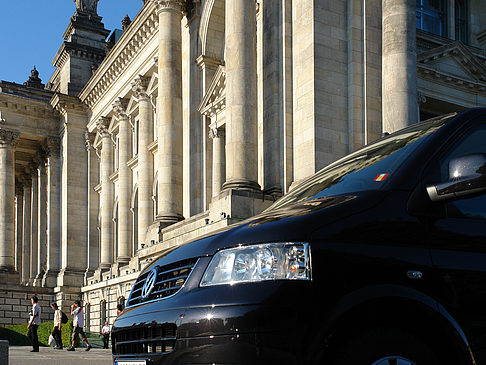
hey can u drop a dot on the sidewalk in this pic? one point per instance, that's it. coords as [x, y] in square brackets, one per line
[21, 355]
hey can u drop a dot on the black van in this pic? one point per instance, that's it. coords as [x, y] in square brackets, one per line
[377, 259]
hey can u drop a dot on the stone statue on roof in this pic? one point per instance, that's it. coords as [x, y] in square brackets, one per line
[87, 6]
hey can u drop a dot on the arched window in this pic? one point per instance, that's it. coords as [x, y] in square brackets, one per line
[103, 317]
[432, 16]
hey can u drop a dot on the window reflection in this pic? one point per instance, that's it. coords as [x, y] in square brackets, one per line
[432, 16]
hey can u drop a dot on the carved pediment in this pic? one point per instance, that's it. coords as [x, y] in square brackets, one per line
[215, 98]
[454, 59]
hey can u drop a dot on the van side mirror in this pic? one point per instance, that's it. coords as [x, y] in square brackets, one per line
[467, 176]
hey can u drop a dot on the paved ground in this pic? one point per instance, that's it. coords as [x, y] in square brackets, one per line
[21, 355]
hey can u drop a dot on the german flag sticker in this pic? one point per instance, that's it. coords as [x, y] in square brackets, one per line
[381, 177]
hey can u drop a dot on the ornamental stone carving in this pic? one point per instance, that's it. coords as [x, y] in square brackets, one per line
[87, 6]
[139, 87]
[216, 132]
[170, 5]
[120, 107]
[89, 140]
[8, 138]
[102, 125]
[53, 146]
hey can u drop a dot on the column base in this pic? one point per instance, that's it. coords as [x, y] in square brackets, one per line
[9, 277]
[275, 191]
[38, 279]
[105, 266]
[122, 260]
[70, 277]
[50, 279]
[165, 220]
[242, 184]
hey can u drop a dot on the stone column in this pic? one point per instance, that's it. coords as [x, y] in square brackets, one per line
[399, 69]
[53, 264]
[145, 158]
[27, 218]
[34, 228]
[7, 207]
[169, 112]
[217, 135]
[41, 222]
[19, 228]
[106, 204]
[241, 96]
[93, 250]
[124, 182]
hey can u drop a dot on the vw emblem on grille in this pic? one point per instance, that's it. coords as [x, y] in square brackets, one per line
[149, 283]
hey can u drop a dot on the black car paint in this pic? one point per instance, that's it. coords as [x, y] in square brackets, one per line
[363, 246]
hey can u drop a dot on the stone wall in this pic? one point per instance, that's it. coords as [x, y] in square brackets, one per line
[15, 304]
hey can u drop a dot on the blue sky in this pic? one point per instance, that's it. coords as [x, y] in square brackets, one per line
[31, 32]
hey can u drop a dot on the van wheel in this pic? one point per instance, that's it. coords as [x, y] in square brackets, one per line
[383, 346]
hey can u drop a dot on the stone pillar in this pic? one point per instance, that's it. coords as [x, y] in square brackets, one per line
[41, 222]
[93, 250]
[217, 135]
[19, 227]
[124, 182]
[34, 228]
[7, 207]
[145, 158]
[169, 112]
[27, 218]
[399, 69]
[241, 96]
[106, 204]
[53, 264]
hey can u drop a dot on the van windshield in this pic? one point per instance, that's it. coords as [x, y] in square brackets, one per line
[369, 168]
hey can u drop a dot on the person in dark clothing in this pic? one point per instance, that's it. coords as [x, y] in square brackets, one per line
[34, 322]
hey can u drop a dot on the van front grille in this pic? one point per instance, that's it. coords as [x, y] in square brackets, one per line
[169, 280]
[144, 340]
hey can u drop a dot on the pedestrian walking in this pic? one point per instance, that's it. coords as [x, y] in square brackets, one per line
[78, 323]
[34, 322]
[105, 331]
[56, 330]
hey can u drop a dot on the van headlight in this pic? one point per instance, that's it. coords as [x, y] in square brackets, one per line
[260, 262]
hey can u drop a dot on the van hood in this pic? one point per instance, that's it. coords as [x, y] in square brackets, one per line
[292, 223]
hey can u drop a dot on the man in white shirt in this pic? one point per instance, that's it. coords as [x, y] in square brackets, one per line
[78, 323]
[34, 322]
[105, 331]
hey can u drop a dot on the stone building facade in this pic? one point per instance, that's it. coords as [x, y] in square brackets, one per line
[200, 113]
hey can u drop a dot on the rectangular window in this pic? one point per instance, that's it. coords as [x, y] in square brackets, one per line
[461, 21]
[432, 16]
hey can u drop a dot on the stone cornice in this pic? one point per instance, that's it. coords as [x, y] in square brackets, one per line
[141, 31]
[26, 106]
[431, 73]
[65, 103]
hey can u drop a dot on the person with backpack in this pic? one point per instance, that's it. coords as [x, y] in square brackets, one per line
[78, 323]
[56, 330]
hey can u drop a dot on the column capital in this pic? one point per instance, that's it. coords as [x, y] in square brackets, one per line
[215, 132]
[139, 87]
[120, 107]
[8, 137]
[25, 180]
[53, 146]
[170, 5]
[102, 125]
[89, 140]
